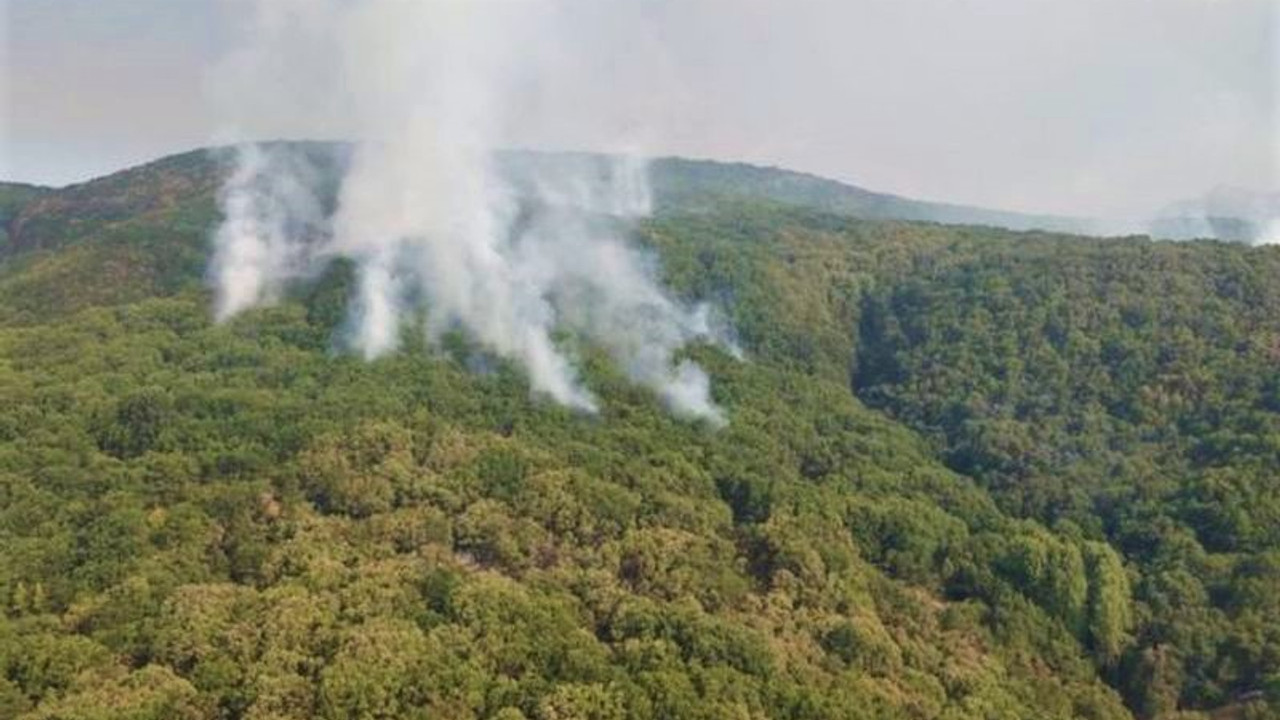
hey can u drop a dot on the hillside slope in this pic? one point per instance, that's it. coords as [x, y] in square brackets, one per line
[967, 473]
[13, 197]
[678, 185]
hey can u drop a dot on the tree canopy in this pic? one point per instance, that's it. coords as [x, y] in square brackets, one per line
[966, 473]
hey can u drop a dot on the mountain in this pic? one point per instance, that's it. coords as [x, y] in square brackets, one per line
[1229, 214]
[14, 196]
[968, 472]
[678, 185]
[682, 184]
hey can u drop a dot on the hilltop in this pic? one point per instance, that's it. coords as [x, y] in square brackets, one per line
[689, 185]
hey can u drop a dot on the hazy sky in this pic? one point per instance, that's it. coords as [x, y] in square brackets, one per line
[1098, 107]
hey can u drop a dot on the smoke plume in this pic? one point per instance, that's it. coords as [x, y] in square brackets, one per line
[427, 90]
[271, 213]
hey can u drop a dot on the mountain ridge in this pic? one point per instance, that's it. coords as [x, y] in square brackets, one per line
[1228, 214]
[679, 184]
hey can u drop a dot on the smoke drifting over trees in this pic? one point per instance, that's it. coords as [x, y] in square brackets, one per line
[423, 210]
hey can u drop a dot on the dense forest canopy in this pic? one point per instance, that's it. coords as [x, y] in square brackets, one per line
[967, 473]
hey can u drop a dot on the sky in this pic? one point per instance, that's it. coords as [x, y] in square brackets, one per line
[1085, 107]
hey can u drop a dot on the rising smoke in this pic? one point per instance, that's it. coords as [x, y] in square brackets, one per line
[273, 216]
[426, 91]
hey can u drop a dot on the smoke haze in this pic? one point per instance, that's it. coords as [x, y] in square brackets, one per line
[1107, 109]
[272, 211]
[428, 90]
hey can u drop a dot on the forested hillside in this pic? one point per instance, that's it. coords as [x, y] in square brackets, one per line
[14, 196]
[967, 473]
[680, 184]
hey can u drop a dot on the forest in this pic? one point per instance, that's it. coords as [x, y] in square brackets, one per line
[967, 473]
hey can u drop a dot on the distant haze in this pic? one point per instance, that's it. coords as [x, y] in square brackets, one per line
[1090, 107]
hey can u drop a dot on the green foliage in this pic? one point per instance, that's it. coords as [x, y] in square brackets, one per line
[1110, 605]
[361, 471]
[967, 473]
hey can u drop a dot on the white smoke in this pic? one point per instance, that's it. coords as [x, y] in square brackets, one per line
[271, 213]
[427, 89]
[1270, 234]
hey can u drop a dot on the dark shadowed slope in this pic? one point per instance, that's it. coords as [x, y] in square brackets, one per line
[13, 196]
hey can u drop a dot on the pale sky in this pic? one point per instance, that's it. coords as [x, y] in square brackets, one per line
[1089, 107]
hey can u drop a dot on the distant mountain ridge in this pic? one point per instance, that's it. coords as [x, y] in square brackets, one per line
[29, 214]
[678, 179]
